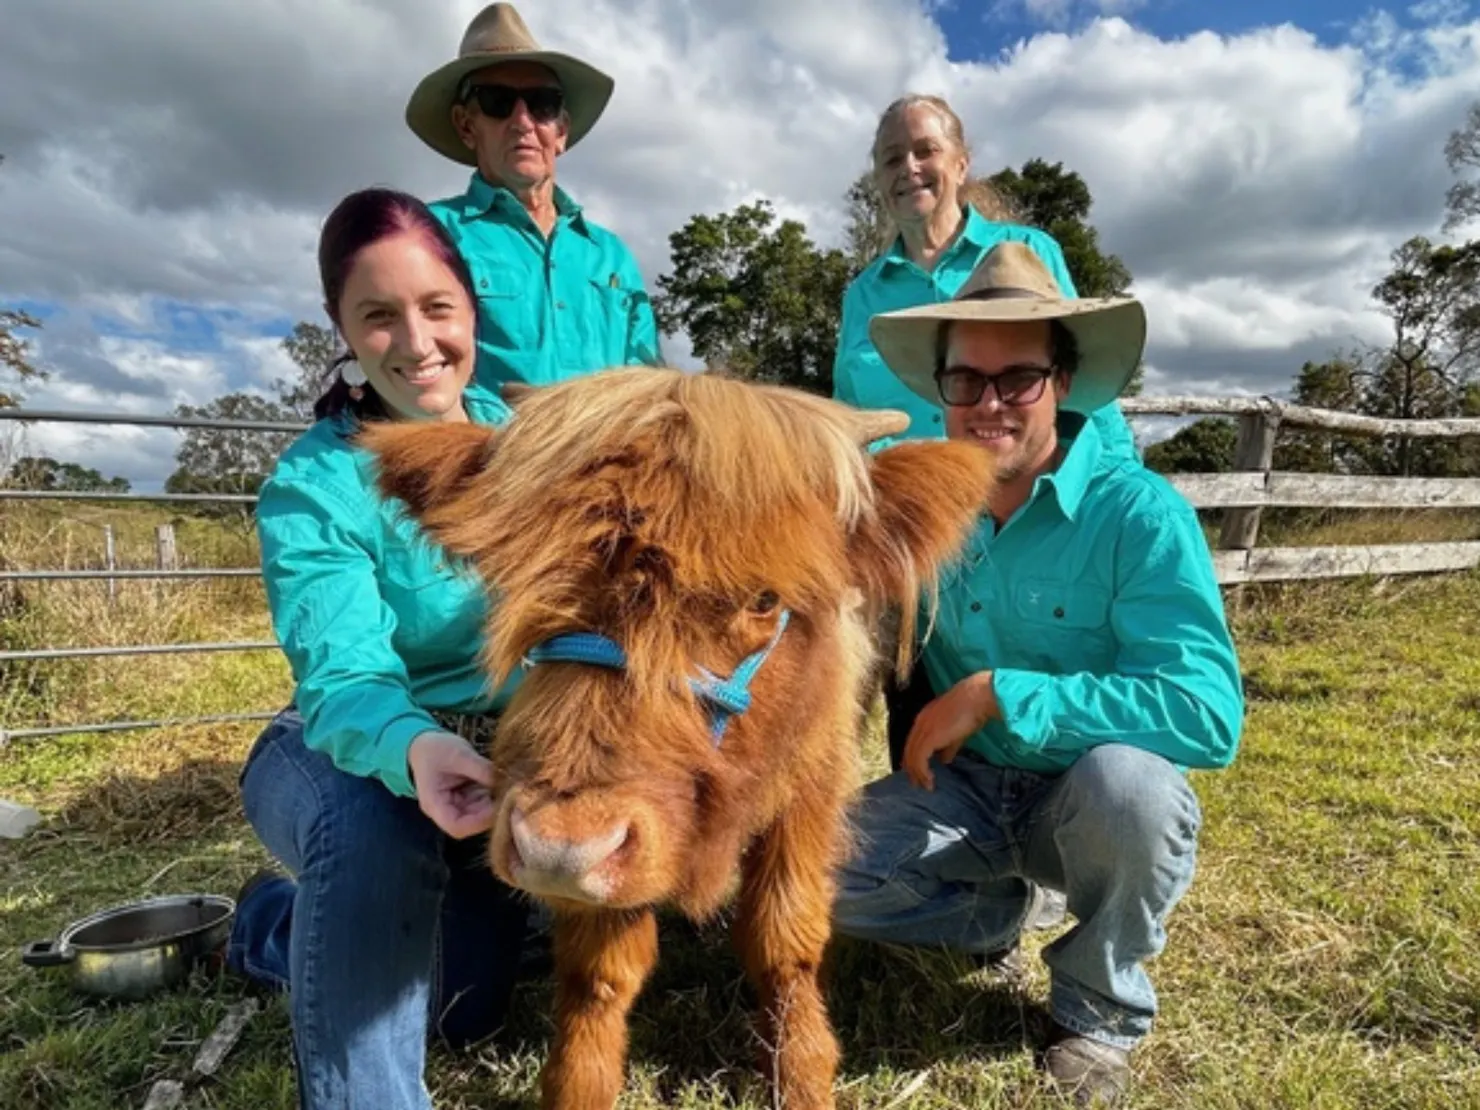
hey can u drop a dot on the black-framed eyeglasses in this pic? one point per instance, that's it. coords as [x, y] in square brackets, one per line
[497, 101]
[961, 386]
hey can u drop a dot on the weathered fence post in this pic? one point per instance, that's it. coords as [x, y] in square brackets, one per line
[167, 555]
[110, 561]
[1255, 451]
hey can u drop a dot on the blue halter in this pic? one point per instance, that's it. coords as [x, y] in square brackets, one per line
[726, 696]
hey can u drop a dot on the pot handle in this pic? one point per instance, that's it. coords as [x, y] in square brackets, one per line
[45, 953]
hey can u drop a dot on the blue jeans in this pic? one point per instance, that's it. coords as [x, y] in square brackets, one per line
[1117, 833]
[390, 930]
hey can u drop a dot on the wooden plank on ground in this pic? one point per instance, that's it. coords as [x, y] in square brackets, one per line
[1276, 564]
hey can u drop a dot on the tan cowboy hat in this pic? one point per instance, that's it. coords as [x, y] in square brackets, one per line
[498, 34]
[1012, 283]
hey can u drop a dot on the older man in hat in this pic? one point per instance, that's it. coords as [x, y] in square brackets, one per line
[1081, 661]
[558, 295]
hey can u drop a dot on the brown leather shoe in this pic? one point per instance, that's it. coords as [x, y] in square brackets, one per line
[1090, 1072]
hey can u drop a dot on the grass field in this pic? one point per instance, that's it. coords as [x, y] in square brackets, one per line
[1328, 955]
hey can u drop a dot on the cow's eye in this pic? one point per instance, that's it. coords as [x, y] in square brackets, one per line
[764, 602]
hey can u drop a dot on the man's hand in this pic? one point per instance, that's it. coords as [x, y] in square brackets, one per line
[452, 783]
[947, 723]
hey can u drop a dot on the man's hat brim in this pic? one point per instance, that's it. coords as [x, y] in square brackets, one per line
[1110, 333]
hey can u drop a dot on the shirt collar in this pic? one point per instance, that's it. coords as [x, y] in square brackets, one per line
[1081, 461]
[483, 197]
[976, 234]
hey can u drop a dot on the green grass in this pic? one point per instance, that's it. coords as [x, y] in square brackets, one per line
[1328, 955]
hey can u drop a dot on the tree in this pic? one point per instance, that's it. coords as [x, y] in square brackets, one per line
[1432, 297]
[756, 298]
[212, 460]
[1058, 201]
[1334, 385]
[45, 473]
[1205, 446]
[15, 351]
[220, 460]
[314, 350]
[867, 222]
[1462, 152]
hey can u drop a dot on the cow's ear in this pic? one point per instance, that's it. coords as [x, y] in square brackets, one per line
[431, 467]
[928, 495]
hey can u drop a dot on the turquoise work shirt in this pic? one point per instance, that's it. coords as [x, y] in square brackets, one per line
[548, 309]
[378, 628]
[893, 282]
[1096, 608]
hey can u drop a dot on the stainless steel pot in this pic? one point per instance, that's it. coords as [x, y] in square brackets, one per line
[132, 951]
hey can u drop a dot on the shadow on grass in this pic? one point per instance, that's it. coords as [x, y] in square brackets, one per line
[693, 1026]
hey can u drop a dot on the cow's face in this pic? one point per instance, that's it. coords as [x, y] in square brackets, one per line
[683, 518]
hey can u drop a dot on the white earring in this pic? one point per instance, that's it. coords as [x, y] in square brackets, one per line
[352, 375]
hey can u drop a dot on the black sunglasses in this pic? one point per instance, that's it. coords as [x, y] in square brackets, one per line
[497, 101]
[963, 387]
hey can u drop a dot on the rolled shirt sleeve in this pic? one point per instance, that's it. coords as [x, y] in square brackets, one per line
[1175, 688]
[336, 630]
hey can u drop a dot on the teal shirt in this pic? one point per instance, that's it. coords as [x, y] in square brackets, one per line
[548, 309]
[378, 629]
[1096, 608]
[893, 282]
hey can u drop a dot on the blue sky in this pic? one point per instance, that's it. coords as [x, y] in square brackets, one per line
[977, 30]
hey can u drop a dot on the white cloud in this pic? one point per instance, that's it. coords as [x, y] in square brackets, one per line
[167, 154]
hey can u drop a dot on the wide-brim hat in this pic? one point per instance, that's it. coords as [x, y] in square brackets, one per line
[1012, 284]
[497, 35]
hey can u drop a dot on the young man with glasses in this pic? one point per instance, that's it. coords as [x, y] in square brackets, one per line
[558, 295]
[1085, 663]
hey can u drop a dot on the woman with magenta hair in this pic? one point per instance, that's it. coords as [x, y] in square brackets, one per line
[369, 788]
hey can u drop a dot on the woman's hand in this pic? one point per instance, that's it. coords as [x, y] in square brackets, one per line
[452, 783]
[947, 723]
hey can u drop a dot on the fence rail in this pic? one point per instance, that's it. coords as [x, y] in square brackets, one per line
[109, 495]
[134, 649]
[111, 573]
[1243, 495]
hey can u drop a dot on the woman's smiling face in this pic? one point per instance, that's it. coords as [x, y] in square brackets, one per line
[411, 326]
[917, 167]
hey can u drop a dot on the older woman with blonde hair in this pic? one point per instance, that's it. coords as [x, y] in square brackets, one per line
[940, 222]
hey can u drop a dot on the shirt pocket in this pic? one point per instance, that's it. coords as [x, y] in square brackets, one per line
[506, 306]
[439, 605]
[607, 316]
[1060, 626]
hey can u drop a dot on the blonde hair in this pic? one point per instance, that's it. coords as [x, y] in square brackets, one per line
[977, 192]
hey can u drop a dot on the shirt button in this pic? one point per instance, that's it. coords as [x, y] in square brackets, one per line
[976, 606]
[936, 418]
[483, 283]
[1059, 612]
[559, 304]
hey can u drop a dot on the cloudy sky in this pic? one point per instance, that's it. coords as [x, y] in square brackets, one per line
[167, 164]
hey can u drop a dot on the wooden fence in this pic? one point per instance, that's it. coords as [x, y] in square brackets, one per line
[1254, 486]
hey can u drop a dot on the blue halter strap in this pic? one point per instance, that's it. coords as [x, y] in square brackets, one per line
[726, 697]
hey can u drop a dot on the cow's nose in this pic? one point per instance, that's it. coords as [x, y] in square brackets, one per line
[560, 865]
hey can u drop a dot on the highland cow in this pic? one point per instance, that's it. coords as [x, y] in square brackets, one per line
[686, 570]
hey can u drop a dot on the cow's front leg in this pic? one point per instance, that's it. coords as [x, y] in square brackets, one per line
[782, 928]
[601, 962]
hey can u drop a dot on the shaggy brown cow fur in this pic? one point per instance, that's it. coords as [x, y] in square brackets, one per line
[679, 515]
